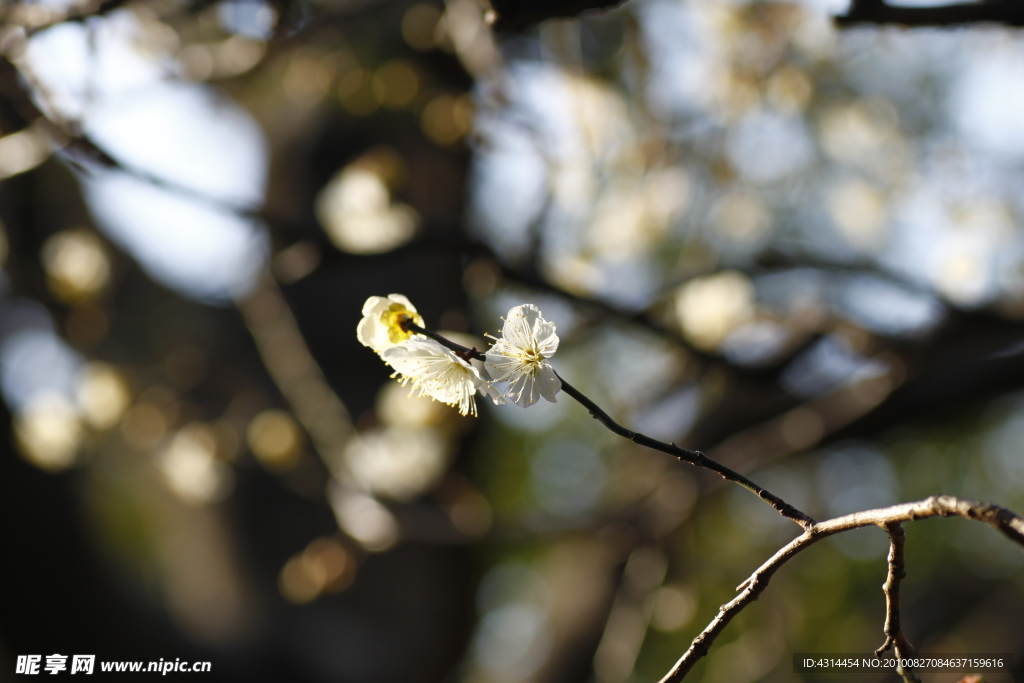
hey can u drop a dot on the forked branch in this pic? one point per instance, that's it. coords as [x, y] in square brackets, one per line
[1006, 521]
[890, 519]
[894, 636]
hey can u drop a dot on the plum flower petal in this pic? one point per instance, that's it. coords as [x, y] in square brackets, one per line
[491, 392]
[520, 356]
[437, 372]
[381, 325]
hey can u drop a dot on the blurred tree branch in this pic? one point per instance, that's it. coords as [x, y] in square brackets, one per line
[1005, 521]
[1008, 12]
[291, 365]
[79, 149]
[511, 15]
[35, 21]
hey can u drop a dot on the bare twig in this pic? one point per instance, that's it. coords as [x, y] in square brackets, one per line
[894, 636]
[1006, 521]
[693, 457]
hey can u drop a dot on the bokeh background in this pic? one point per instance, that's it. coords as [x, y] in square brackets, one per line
[795, 247]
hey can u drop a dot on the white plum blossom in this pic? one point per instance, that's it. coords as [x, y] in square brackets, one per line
[437, 372]
[520, 356]
[381, 326]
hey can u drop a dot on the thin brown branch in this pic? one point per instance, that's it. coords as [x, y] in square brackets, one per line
[1002, 519]
[894, 636]
[693, 457]
[1007, 12]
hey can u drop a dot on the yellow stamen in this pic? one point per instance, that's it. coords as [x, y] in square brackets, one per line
[394, 317]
